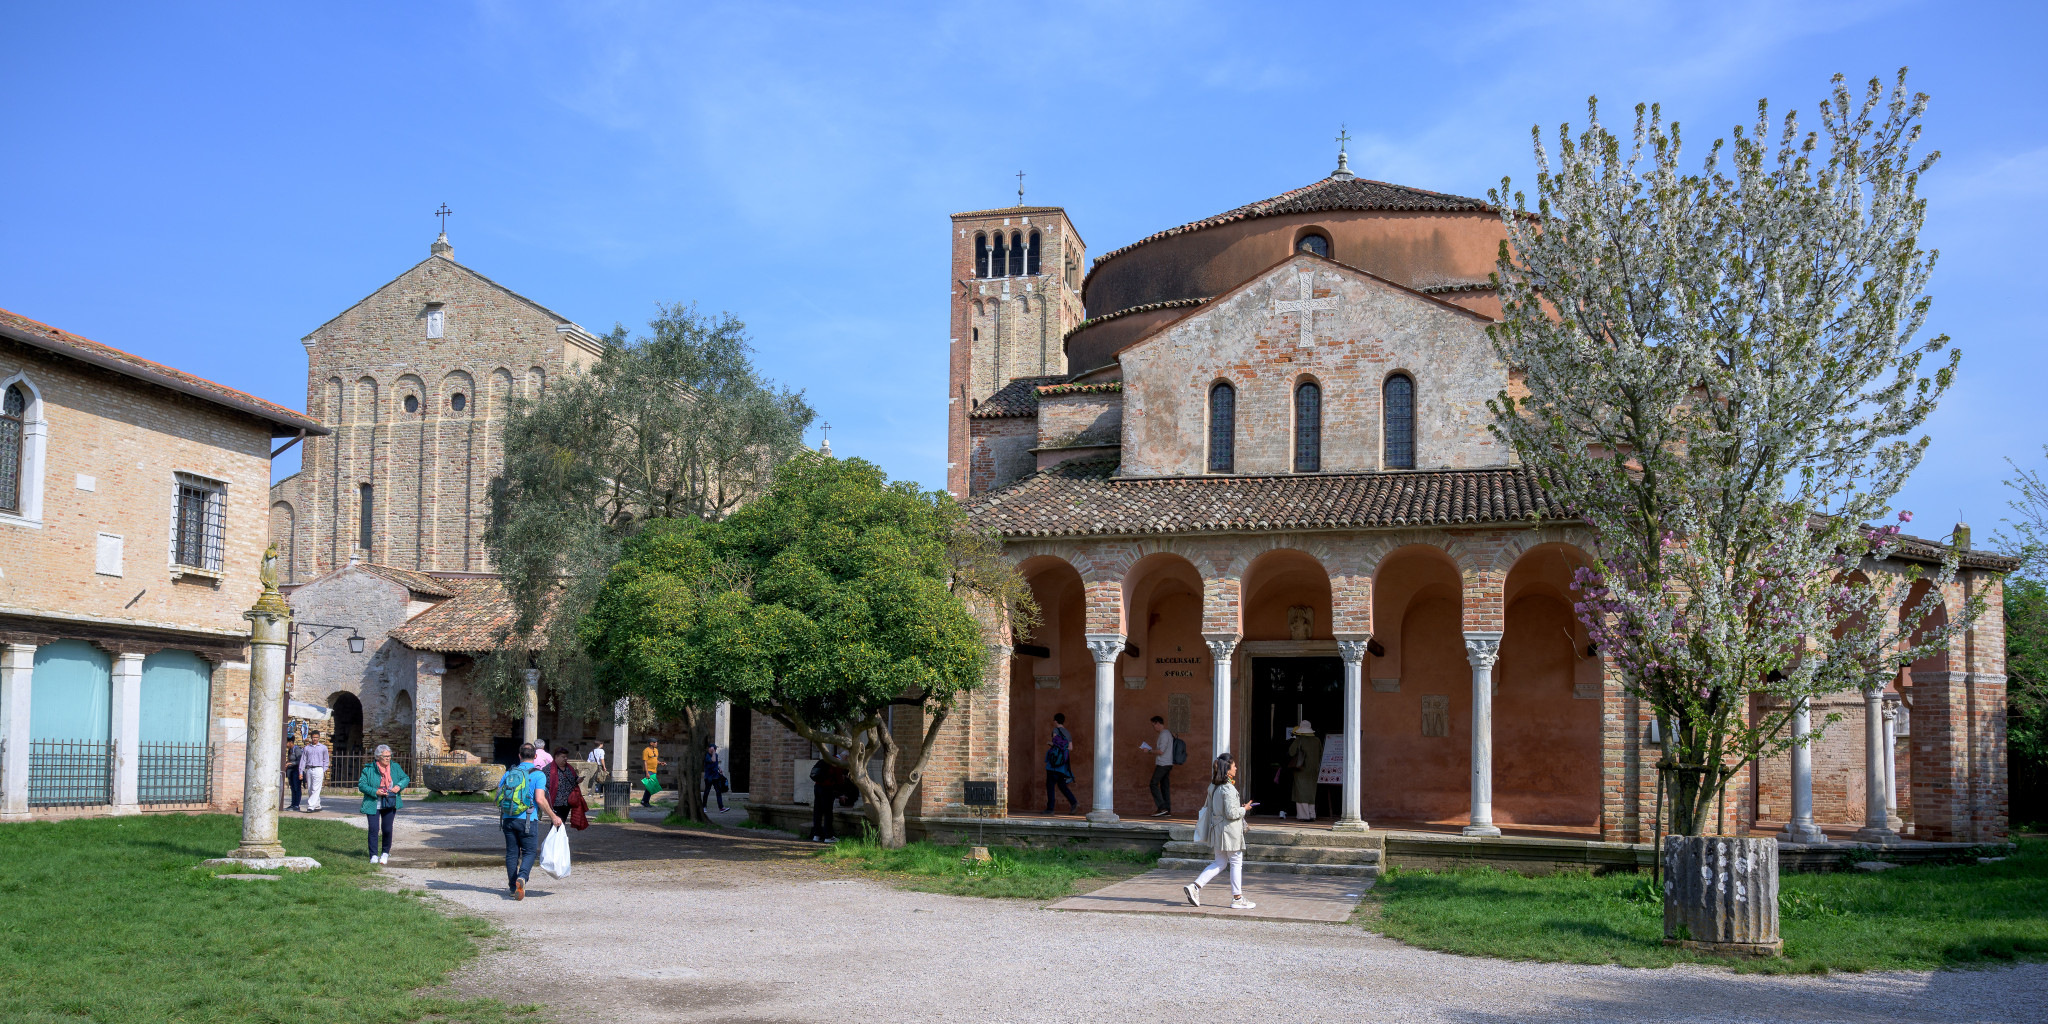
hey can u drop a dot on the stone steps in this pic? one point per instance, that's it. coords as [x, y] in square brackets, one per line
[1292, 852]
[1276, 867]
[1267, 836]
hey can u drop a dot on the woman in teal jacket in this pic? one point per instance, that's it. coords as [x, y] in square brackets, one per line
[382, 784]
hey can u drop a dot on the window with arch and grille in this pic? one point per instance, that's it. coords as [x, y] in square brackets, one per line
[1031, 257]
[1222, 428]
[980, 254]
[13, 417]
[1399, 411]
[1314, 243]
[1308, 427]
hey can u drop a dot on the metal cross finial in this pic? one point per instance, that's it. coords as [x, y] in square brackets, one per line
[826, 428]
[443, 213]
[1020, 188]
[1343, 137]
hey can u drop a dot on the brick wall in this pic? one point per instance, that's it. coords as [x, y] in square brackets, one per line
[1001, 451]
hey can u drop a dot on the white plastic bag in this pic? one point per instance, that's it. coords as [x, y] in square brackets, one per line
[554, 852]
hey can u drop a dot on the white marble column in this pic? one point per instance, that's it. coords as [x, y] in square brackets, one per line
[721, 734]
[1106, 647]
[1800, 828]
[1891, 763]
[531, 729]
[17, 668]
[1876, 829]
[1221, 647]
[1482, 650]
[126, 727]
[1353, 653]
[616, 760]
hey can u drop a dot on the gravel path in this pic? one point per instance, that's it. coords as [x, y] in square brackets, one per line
[669, 925]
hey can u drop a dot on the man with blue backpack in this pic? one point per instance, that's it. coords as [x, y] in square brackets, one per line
[522, 796]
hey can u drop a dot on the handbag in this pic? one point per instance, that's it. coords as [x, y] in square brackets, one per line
[387, 802]
[1202, 821]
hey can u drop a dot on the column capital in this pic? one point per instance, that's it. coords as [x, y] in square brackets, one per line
[1482, 649]
[1221, 645]
[533, 677]
[1105, 647]
[1352, 647]
[134, 656]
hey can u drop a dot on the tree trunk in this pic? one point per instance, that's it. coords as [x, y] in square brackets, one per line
[689, 780]
[1721, 895]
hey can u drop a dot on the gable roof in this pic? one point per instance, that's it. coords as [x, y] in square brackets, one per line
[579, 333]
[412, 579]
[36, 334]
[1332, 193]
[478, 619]
[1017, 398]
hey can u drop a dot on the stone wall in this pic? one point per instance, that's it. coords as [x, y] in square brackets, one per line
[1001, 452]
[373, 605]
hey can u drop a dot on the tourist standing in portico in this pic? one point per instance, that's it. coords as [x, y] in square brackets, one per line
[1226, 834]
[382, 784]
[1305, 758]
[313, 762]
[1059, 764]
[1162, 768]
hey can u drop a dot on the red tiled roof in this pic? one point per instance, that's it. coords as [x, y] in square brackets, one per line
[413, 580]
[1017, 398]
[478, 619]
[1327, 194]
[1081, 498]
[85, 350]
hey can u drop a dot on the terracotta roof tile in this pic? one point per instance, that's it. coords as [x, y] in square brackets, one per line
[478, 619]
[1104, 387]
[1327, 194]
[1017, 398]
[413, 580]
[1082, 497]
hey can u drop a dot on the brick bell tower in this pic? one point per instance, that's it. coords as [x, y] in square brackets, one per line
[1016, 292]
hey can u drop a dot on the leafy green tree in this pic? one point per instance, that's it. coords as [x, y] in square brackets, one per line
[854, 611]
[676, 424]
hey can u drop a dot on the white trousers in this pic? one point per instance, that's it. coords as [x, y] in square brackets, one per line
[1235, 859]
[314, 776]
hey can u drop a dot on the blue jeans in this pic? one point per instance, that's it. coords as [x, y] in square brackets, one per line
[522, 845]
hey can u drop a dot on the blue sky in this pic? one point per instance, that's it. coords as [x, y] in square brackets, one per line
[203, 186]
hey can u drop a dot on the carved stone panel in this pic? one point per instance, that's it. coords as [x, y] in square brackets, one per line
[1180, 714]
[1436, 714]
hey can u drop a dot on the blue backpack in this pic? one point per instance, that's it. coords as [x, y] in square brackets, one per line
[515, 792]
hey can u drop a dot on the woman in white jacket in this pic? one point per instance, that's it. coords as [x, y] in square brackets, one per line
[1225, 820]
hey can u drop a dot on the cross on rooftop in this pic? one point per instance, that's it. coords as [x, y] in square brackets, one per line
[1020, 188]
[1308, 305]
[1343, 137]
[443, 213]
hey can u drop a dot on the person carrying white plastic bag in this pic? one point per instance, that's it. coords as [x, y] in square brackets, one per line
[554, 852]
[522, 796]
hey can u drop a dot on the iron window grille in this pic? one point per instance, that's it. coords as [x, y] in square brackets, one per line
[1399, 392]
[174, 773]
[70, 773]
[1222, 428]
[13, 413]
[198, 522]
[1308, 428]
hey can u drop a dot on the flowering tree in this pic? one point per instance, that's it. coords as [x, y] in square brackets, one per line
[1722, 374]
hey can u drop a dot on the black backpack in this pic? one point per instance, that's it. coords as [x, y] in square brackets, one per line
[1055, 757]
[1180, 750]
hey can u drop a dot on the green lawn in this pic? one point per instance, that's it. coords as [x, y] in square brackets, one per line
[104, 919]
[1907, 918]
[1016, 873]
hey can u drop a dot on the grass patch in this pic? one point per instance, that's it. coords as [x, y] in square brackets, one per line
[459, 798]
[1909, 918]
[610, 818]
[1011, 872]
[105, 920]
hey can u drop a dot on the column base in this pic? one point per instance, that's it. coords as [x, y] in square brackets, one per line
[236, 860]
[1895, 823]
[1797, 833]
[16, 815]
[1350, 825]
[1881, 836]
[124, 809]
[1484, 831]
[264, 851]
[1102, 817]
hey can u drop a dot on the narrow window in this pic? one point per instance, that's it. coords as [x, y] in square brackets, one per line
[1222, 427]
[13, 410]
[995, 266]
[1031, 259]
[980, 254]
[1399, 394]
[367, 496]
[198, 523]
[1016, 254]
[1308, 428]
[1316, 244]
[435, 318]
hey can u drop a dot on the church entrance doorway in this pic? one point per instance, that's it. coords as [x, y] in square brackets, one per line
[348, 724]
[1286, 691]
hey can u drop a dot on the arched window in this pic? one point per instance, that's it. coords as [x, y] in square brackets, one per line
[996, 260]
[1314, 243]
[1308, 428]
[1399, 443]
[1016, 254]
[1222, 428]
[13, 414]
[980, 254]
[1031, 259]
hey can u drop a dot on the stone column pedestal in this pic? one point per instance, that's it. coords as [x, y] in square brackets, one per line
[530, 727]
[1876, 816]
[1106, 647]
[1721, 895]
[270, 628]
[618, 788]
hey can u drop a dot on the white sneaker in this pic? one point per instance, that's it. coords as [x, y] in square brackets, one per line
[384, 859]
[1240, 903]
[1194, 894]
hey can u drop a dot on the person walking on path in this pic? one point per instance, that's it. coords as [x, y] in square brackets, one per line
[596, 759]
[522, 796]
[1225, 824]
[828, 781]
[565, 792]
[291, 770]
[1059, 764]
[1305, 757]
[313, 762]
[714, 777]
[650, 759]
[383, 786]
[1162, 768]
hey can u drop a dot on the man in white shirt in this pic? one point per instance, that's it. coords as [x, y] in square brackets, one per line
[596, 759]
[1162, 767]
[313, 762]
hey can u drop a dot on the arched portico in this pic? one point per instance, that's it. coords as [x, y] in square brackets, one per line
[1548, 698]
[1053, 675]
[1164, 672]
[1416, 723]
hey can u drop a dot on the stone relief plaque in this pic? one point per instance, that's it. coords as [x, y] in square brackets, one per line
[1046, 682]
[1585, 691]
[1180, 714]
[1436, 714]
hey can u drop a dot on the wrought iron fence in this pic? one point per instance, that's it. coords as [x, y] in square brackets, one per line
[70, 773]
[348, 766]
[174, 773]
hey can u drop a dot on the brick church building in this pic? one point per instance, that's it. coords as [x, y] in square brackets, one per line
[1244, 465]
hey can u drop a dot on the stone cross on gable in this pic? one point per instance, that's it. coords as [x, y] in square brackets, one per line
[1308, 305]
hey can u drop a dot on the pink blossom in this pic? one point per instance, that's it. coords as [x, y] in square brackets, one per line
[1905, 517]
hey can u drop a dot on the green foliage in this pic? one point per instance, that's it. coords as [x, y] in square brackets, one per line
[1909, 918]
[1010, 872]
[106, 920]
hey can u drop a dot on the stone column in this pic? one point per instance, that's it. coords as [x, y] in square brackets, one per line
[1876, 826]
[1107, 647]
[1482, 650]
[1800, 828]
[721, 734]
[126, 726]
[270, 628]
[1221, 647]
[17, 667]
[429, 738]
[1891, 763]
[1353, 653]
[531, 729]
[618, 793]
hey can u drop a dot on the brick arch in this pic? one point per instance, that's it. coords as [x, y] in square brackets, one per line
[453, 383]
[284, 533]
[501, 393]
[407, 384]
[367, 409]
